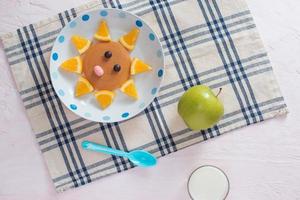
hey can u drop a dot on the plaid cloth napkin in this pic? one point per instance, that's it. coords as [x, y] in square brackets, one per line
[213, 42]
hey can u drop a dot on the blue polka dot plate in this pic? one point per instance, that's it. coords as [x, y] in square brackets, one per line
[148, 48]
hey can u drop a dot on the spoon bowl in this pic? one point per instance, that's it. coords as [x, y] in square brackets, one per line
[142, 158]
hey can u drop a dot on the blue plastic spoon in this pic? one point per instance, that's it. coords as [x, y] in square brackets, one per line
[138, 157]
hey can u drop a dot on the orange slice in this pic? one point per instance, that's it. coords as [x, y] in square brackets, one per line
[129, 89]
[104, 98]
[80, 43]
[102, 33]
[72, 65]
[128, 40]
[83, 87]
[138, 66]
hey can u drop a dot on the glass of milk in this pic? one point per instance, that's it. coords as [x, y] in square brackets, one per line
[208, 183]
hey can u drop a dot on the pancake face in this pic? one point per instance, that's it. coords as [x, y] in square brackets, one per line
[111, 78]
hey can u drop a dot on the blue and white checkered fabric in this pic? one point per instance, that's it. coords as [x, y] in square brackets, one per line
[212, 42]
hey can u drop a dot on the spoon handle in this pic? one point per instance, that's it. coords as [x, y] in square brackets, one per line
[102, 149]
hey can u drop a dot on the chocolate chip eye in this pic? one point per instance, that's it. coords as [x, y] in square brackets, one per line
[117, 67]
[107, 54]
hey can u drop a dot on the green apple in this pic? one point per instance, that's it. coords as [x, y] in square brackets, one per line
[200, 108]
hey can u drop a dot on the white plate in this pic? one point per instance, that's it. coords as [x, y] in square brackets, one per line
[148, 48]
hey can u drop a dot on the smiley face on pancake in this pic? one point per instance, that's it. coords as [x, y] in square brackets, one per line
[106, 65]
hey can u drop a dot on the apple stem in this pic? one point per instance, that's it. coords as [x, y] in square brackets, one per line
[220, 90]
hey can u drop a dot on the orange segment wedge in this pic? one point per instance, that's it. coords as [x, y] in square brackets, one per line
[102, 33]
[72, 65]
[80, 43]
[128, 40]
[83, 87]
[104, 98]
[129, 89]
[138, 66]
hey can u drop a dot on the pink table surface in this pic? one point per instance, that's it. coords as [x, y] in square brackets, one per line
[261, 161]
